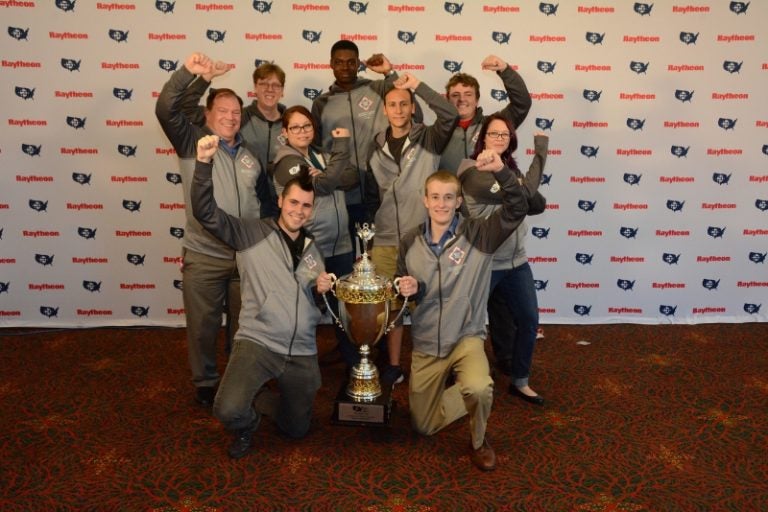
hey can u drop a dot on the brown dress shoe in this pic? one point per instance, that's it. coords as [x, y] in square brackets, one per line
[484, 457]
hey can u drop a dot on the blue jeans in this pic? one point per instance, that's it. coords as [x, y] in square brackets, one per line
[341, 265]
[250, 366]
[513, 308]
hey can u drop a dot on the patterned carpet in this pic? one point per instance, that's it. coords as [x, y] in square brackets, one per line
[638, 418]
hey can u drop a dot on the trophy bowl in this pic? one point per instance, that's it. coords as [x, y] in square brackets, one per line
[364, 300]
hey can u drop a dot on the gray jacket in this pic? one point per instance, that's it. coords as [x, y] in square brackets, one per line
[330, 221]
[453, 288]
[483, 196]
[361, 111]
[278, 303]
[234, 179]
[395, 191]
[462, 143]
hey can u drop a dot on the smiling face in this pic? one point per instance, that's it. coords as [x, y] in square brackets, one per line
[442, 199]
[497, 137]
[268, 91]
[464, 98]
[299, 131]
[295, 209]
[399, 109]
[223, 118]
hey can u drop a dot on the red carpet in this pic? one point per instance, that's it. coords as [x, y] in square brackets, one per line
[644, 418]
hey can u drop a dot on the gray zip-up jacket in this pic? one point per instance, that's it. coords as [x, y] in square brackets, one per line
[453, 288]
[483, 196]
[395, 191]
[234, 179]
[329, 223]
[361, 111]
[462, 143]
[278, 303]
[261, 136]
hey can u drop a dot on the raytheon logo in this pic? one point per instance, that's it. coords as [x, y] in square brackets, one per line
[217, 36]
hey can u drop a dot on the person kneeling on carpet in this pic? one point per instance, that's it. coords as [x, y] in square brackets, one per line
[445, 265]
[283, 278]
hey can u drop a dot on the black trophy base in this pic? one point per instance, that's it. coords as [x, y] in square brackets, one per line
[377, 413]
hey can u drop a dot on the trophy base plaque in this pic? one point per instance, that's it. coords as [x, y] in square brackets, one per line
[376, 413]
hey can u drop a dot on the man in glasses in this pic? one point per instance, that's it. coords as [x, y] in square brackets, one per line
[260, 121]
[211, 280]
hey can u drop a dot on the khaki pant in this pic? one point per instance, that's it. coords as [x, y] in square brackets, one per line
[434, 407]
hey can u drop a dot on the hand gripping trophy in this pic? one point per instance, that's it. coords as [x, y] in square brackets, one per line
[364, 309]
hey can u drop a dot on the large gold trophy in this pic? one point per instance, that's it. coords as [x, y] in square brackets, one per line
[364, 308]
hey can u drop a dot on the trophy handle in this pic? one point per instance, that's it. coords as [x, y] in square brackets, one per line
[327, 304]
[396, 283]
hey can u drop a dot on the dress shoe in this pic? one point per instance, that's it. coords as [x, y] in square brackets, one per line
[535, 400]
[242, 443]
[205, 395]
[484, 457]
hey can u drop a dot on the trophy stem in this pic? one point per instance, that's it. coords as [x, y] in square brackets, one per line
[364, 383]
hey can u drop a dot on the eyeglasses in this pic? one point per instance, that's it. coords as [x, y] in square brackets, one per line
[498, 135]
[296, 129]
[271, 86]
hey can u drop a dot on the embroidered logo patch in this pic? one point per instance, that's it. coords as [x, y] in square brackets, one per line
[294, 170]
[310, 261]
[457, 256]
[495, 187]
[247, 161]
[365, 103]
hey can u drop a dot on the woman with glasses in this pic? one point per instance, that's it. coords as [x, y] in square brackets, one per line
[513, 295]
[331, 175]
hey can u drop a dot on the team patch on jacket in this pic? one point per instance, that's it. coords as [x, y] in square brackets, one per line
[457, 256]
[365, 103]
[247, 161]
[310, 261]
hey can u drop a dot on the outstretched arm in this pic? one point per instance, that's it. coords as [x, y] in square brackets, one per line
[438, 134]
[517, 93]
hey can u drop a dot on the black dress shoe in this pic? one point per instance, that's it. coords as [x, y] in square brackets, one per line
[205, 395]
[535, 400]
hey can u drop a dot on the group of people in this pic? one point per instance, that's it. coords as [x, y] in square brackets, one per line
[272, 197]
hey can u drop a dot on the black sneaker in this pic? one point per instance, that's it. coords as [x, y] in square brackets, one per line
[242, 443]
[392, 375]
[205, 395]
